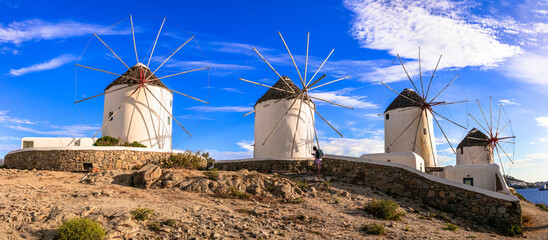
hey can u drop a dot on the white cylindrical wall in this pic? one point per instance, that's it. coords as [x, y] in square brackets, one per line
[414, 138]
[280, 143]
[474, 155]
[149, 124]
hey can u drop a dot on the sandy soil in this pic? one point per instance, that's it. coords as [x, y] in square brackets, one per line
[34, 203]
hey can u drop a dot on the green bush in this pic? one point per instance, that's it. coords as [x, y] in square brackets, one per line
[170, 222]
[134, 144]
[385, 209]
[107, 141]
[451, 227]
[186, 160]
[213, 174]
[141, 214]
[301, 217]
[154, 226]
[374, 228]
[80, 229]
[514, 230]
[210, 160]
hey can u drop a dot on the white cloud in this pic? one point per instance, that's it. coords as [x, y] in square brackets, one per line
[218, 69]
[509, 102]
[438, 26]
[9, 138]
[222, 109]
[529, 67]
[37, 29]
[9, 147]
[7, 119]
[351, 146]
[63, 131]
[544, 140]
[342, 97]
[47, 65]
[247, 145]
[232, 90]
[542, 121]
[233, 155]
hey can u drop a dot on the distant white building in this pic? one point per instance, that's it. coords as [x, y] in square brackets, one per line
[280, 143]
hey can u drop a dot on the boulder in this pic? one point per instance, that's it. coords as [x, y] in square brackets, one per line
[147, 175]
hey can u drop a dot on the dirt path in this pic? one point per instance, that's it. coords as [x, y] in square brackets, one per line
[34, 203]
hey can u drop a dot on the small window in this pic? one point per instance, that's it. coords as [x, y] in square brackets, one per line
[468, 181]
[170, 102]
[77, 143]
[387, 116]
[168, 120]
[461, 150]
[424, 131]
[88, 166]
[110, 116]
[28, 144]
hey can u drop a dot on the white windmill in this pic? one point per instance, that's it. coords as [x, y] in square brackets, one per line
[480, 148]
[138, 105]
[287, 130]
[409, 119]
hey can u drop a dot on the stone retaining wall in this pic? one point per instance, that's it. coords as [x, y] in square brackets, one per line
[266, 165]
[78, 159]
[480, 205]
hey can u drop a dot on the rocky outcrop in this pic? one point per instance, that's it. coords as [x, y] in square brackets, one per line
[146, 176]
[480, 205]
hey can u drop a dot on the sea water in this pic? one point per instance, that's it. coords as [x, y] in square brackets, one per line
[534, 195]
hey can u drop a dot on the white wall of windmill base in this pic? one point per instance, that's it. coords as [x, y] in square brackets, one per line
[50, 142]
[474, 155]
[279, 144]
[151, 125]
[396, 124]
[410, 159]
[483, 176]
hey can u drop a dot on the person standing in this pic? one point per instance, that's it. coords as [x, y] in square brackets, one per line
[318, 154]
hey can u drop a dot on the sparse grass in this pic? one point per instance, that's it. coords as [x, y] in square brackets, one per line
[212, 174]
[296, 200]
[442, 217]
[80, 228]
[270, 187]
[234, 193]
[526, 220]
[170, 222]
[521, 197]
[385, 209]
[154, 226]
[243, 210]
[416, 210]
[142, 214]
[325, 186]
[406, 229]
[374, 228]
[451, 227]
[542, 206]
[302, 184]
[301, 217]
[337, 201]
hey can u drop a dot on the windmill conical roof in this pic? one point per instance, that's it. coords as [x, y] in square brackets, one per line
[402, 102]
[126, 78]
[277, 94]
[474, 133]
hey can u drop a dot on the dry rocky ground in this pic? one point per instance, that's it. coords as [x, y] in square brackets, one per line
[34, 203]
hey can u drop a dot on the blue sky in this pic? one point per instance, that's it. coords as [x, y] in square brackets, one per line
[498, 48]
